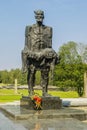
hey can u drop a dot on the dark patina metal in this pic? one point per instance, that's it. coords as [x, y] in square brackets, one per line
[38, 53]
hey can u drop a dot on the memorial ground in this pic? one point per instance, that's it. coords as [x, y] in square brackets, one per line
[67, 118]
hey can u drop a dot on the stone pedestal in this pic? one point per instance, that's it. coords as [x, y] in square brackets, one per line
[47, 103]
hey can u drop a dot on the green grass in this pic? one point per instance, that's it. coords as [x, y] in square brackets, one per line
[8, 95]
[12, 91]
[61, 94]
[9, 98]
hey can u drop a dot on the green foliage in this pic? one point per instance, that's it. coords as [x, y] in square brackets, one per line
[68, 75]
[69, 54]
[8, 77]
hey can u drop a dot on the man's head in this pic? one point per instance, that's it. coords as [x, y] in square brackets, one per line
[39, 16]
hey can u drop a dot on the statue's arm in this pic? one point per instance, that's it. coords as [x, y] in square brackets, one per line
[49, 37]
[27, 37]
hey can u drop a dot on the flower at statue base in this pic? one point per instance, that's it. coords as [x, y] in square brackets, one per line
[37, 102]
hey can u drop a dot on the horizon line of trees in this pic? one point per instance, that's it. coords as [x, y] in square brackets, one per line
[68, 74]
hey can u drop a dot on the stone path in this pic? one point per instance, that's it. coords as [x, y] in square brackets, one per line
[45, 124]
[7, 124]
[41, 124]
[54, 124]
[74, 102]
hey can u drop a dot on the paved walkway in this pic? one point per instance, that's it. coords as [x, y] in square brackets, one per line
[74, 101]
[45, 124]
[54, 124]
[42, 124]
[7, 124]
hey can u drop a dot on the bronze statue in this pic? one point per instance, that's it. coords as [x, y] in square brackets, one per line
[38, 53]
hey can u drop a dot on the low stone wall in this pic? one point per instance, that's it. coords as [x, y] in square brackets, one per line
[47, 103]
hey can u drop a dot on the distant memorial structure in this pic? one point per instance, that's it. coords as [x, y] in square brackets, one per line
[85, 84]
[38, 55]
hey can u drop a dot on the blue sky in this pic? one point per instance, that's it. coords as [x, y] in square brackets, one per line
[67, 17]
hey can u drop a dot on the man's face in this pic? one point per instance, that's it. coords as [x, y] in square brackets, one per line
[39, 18]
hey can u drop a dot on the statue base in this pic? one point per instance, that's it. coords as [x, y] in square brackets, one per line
[50, 102]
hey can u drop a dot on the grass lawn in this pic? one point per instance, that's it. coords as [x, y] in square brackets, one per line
[8, 95]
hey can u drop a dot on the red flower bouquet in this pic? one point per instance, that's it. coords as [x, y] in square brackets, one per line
[37, 102]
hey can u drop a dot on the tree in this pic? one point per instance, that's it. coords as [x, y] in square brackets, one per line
[69, 73]
[69, 54]
[82, 51]
[4, 76]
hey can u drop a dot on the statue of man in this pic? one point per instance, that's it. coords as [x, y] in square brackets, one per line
[38, 52]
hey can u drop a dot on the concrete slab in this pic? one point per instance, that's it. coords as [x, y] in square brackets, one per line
[18, 113]
[62, 119]
[54, 124]
[41, 124]
[7, 124]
